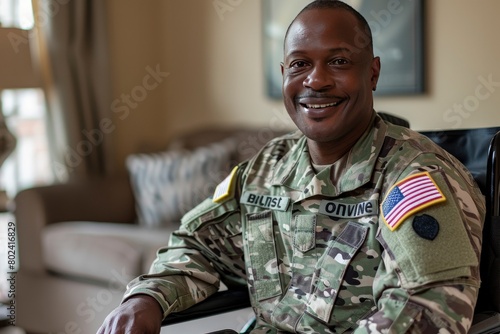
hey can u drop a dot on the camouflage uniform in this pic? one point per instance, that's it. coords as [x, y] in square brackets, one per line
[315, 250]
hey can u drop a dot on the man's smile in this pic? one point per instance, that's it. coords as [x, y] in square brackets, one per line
[320, 106]
[319, 102]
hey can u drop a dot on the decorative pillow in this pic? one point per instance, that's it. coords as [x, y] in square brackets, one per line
[168, 184]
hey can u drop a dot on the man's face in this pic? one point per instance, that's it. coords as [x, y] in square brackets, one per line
[328, 75]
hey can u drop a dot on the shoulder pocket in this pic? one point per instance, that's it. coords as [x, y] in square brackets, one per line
[216, 224]
[208, 211]
[424, 257]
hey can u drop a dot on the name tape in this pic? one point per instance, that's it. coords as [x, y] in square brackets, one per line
[265, 201]
[348, 210]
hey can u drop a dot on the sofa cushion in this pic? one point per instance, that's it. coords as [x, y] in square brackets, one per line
[106, 252]
[168, 184]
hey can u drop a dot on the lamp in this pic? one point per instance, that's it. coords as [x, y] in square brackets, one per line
[16, 71]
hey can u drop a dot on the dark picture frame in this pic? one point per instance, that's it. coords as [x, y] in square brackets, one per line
[398, 38]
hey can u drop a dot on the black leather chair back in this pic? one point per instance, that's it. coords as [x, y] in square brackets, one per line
[478, 150]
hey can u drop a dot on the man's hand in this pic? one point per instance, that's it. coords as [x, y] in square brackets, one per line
[138, 314]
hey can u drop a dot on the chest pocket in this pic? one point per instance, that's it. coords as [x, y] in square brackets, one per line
[263, 274]
[330, 274]
[217, 226]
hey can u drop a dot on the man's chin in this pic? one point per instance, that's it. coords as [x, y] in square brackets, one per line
[318, 135]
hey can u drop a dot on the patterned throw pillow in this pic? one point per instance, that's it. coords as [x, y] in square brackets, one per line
[168, 184]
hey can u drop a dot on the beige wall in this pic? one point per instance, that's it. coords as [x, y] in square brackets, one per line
[215, 69]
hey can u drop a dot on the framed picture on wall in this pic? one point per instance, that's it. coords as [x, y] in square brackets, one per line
[398, 39]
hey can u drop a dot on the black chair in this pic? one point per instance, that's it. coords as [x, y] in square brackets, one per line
[478, 150]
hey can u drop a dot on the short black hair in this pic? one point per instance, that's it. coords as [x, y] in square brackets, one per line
[337, 4]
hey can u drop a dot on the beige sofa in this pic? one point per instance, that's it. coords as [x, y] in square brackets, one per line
[80, 243]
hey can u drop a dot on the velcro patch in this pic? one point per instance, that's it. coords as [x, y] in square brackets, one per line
[409, 196]
[265, 201]
[348, 210]
[426, 227]
[225, 189]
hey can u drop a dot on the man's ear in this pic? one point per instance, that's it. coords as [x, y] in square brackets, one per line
[375, 69]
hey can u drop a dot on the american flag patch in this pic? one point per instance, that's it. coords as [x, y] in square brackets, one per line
[225, 188]
[408, 196]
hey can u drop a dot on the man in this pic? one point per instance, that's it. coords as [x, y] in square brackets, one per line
[350, 225]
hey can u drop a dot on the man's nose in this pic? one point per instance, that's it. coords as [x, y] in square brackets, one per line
[319, 78]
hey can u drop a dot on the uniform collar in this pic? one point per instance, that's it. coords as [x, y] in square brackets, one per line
[294, 170]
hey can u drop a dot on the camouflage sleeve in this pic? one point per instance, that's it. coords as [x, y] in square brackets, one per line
[428, 279]
[444, 308]
[206, 249]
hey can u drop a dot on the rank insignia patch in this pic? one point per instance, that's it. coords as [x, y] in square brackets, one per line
[225, 189]
[408, 196]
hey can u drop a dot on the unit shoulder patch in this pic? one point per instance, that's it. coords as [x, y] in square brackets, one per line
[409, 196]
[426, 227]
[225, 189]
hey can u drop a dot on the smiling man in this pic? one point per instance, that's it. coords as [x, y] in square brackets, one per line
[350, 224]
[329, 73]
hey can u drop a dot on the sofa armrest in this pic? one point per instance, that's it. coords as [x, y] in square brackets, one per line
[100, 199]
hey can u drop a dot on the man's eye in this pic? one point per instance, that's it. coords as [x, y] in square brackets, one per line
[339, 62]
[298, 64]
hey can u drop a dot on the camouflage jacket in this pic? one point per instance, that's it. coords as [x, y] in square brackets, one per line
[386, 240]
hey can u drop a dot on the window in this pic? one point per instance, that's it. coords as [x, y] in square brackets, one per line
[25, 116]
[16, 13]
[28, 165]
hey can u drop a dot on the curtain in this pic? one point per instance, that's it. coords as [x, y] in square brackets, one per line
[74, 57]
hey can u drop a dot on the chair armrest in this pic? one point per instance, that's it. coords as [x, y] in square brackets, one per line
[487, 323]
[220, 302]
[100, 199]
